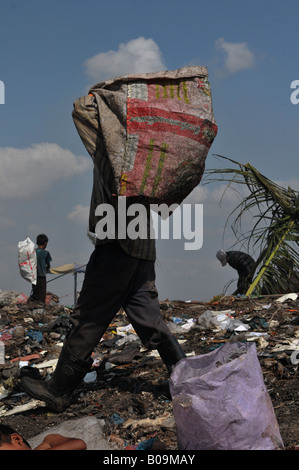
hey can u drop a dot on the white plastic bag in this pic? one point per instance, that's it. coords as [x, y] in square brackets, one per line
[27, 260]
[220, 402]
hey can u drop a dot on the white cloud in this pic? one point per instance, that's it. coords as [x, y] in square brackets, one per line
[79, 215]
[25, 173]
[238, 56]
[139, 55]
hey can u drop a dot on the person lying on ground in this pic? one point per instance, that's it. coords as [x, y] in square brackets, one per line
[12, 440]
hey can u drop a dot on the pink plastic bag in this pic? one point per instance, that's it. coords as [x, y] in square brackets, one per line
[220, 402]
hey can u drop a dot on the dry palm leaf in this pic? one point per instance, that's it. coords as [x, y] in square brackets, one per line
[275, 232]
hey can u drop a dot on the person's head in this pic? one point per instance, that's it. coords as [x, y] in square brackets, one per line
[222, 256]
[12, 440]
[42, 240]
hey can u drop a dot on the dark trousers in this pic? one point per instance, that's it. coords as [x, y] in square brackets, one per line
[244, 282]
[113, 280]
[39, 289]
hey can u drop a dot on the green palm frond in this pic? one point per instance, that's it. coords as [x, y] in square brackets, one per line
[274, 232]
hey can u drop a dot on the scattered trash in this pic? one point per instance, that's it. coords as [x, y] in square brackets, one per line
[116, 419]
[3, 392]
[223, 319]
[129, 382]
[51, 364]
[21, 408]
[90, 377]
[2, 352]
[21, 299]
[178, 326]
[287, 297]
[26, 358]
[8, 297]
[165, 421]
[144, 445]
[35, 335]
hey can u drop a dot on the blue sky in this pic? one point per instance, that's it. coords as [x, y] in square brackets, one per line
[52, 51]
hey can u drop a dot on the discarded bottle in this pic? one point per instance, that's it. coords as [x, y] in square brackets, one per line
[2, 352]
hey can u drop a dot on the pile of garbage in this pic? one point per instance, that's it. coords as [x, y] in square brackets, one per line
[128, 386]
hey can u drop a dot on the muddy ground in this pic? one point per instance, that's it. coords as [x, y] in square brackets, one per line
[129, 387]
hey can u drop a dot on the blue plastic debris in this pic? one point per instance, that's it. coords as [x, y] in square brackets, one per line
[35, 335]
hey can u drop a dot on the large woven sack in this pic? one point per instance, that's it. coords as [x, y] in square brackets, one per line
[156, 129]
[27, 260]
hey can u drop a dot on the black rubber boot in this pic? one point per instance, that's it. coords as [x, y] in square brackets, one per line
[170, 352]
[57, 391]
